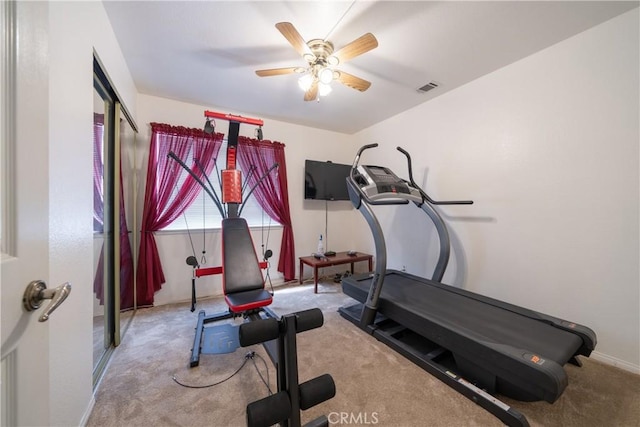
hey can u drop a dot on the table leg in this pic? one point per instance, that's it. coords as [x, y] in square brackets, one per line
[351, 268]
[315, 279]
[370, 264]
[301, 267]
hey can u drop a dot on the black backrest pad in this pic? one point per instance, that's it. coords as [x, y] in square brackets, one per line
[241, 271]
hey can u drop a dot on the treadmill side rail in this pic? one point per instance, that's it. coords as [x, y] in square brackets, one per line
[499, 409]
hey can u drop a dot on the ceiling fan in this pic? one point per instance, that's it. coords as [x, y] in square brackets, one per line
[322, 60]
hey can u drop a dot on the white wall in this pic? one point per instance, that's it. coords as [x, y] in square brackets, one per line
[548, 150]
[75, 29]
[308, 217]
[547, 147]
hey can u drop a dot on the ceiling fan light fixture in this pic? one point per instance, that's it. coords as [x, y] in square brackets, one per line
[318, 74]
[325, 76]
[305, 82]
[324, 89]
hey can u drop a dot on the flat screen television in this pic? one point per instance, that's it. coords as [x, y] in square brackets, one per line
[325, 180]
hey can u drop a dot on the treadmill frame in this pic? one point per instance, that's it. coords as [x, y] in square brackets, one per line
[420, 350]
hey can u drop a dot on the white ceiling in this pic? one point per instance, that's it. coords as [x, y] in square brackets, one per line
[207, 52]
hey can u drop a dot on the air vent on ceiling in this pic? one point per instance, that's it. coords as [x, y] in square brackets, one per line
[428, 87]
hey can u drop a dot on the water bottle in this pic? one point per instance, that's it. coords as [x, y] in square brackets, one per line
[320, 246]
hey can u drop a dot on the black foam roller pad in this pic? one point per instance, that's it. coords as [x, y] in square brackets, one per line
[316, 391]
[258, 331]
[269, 411]
[309, 319]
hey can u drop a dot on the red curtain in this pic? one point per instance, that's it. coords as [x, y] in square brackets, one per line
[272, 194]
[162, 205]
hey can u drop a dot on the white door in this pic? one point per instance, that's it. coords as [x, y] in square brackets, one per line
[24, 202]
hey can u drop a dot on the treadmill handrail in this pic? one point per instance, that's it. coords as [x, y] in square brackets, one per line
[441, 228]
[354, 166]
[422, 192]
[357, 196]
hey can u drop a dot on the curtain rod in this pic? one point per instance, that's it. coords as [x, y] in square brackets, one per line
[233, 118]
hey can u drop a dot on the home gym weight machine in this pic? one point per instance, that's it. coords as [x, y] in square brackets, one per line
[246, 297]
[477, 345]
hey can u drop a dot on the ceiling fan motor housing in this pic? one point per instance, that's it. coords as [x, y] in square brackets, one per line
[321, 51]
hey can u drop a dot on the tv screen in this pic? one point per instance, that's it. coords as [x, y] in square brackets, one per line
[325, 180]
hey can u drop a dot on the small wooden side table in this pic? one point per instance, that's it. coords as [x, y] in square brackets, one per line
[327, 261]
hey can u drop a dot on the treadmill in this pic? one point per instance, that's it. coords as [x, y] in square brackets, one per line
[479, 346]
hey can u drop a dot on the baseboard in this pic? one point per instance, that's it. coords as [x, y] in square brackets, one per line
[87, 413]
[614, 361]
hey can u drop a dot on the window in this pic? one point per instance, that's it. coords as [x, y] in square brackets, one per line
[203, 212]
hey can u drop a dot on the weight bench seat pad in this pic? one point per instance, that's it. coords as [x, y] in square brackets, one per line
[239, 302]
[242, 281]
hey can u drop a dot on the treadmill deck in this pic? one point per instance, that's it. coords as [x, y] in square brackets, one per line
[487, 337]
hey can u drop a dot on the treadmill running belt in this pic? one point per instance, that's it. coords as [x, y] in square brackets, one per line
[463, 313]
[503, 348]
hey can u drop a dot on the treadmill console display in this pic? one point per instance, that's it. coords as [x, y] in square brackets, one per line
[380, 183]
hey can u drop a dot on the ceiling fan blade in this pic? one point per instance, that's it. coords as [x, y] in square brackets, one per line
[312, 93]
[276, 71]
[357, 47]
[293, 36]
[353, 82]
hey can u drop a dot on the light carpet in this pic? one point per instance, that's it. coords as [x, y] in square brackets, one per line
[375, 385]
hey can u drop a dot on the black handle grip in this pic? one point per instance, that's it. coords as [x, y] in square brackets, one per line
[423, 193]
[387, 202]
[366, 147]
[449, 202]
[409, 167]
[357, 159]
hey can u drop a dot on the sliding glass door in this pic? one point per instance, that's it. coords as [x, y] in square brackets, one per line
[114, 183]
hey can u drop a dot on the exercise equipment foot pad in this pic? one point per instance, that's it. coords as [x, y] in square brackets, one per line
[220, 339]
